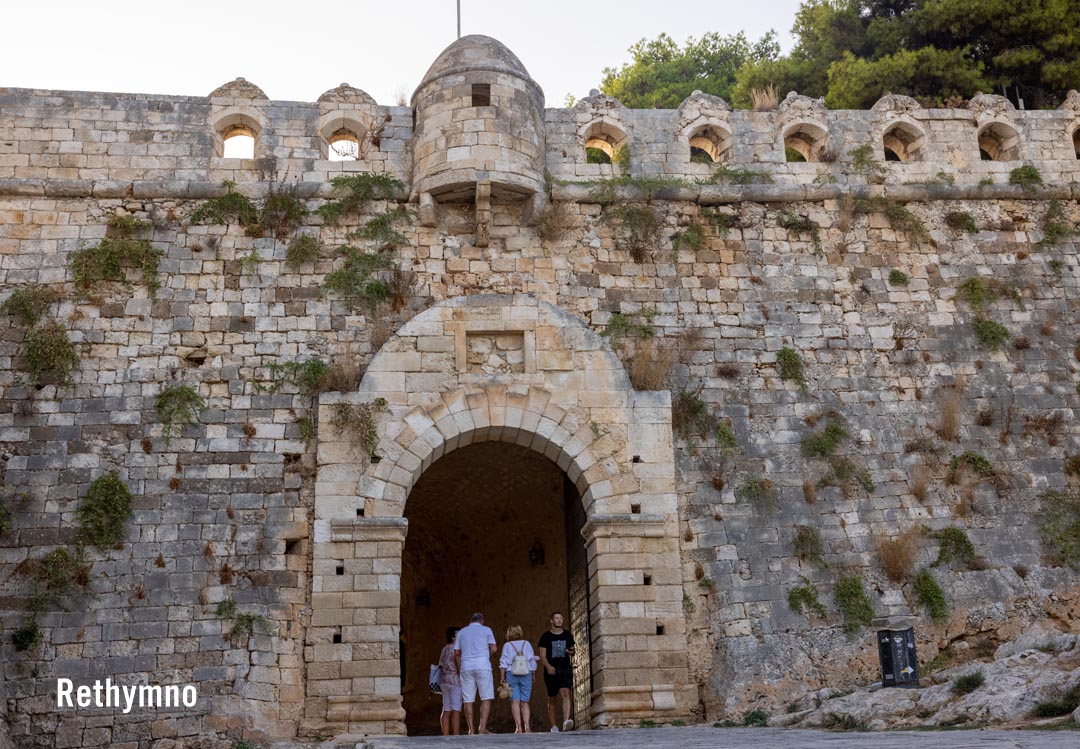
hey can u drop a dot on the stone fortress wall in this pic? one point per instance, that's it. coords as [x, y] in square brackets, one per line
[229, 510]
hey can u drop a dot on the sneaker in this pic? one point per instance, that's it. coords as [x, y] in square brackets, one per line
[568, 725]
[554, 729]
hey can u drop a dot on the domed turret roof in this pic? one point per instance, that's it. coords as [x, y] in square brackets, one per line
[475, 52]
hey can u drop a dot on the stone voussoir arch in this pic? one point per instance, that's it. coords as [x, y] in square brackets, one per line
[525, 416]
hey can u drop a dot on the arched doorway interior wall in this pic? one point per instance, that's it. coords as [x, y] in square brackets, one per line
[515, 370]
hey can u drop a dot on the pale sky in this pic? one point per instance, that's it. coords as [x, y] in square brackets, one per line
[295, 51]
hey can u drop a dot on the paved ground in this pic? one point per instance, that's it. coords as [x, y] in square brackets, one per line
[706, 737]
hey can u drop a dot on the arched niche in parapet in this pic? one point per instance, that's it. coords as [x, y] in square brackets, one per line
[904, 141]
[236, 123]
[349, 127]
[803, 129]
[998, 138]
[705, 128]
[903, 137]
[601, 140]
[805, 141]
[710, 144]
[1072, 132]
[601, 128]
[237, 117]
[999, 141]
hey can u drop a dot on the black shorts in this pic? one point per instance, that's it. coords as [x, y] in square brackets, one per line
[561, 679]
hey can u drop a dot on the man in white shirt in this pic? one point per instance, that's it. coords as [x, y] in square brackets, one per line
[473, 649]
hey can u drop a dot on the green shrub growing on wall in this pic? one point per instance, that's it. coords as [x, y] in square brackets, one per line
[955, 547]
[381, 231]
[803, 599]
[358, 423]
[900, 218]
[1027, 176]
[309, 376]
[50, 351]
[29, 304]
[1055, 224]
[854, 605]
[977, 293]
[232, 207]
[620, 325]
[356, 281]
[961, 221]
[691, 239]
[864, 163]
[972, 461]
[807, 545]
[824, 443]
[638, 227]
[898, 278]
[1060, 527]
[690, 414]
[103, 513]
[111, 257]
[760, 493]
[302, 249]
[990, 334]
[282, 211]
[5, 516]
[930, 597]
[177, 407]
[26, 636]
[800, 225]
[790, 366]
[354, 191]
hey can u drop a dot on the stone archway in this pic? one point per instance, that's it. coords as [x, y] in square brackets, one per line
[517, 370]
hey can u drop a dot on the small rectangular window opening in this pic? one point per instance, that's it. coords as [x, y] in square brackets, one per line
[646, 580]
[481, 94]
[635, 509]
[359, 512]
[337, 638]
[339, 570]
[659, 629]
[294, 546]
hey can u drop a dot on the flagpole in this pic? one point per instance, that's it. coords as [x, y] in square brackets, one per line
[458, 19]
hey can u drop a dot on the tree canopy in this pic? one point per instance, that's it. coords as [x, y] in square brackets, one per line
[661, 74]
[854, 51]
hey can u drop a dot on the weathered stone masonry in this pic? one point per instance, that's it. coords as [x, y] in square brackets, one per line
[240, 507]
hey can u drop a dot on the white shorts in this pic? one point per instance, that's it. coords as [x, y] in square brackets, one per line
[451, 697]
[477, 681]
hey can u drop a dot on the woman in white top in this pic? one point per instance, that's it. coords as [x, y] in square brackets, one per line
[517, 669]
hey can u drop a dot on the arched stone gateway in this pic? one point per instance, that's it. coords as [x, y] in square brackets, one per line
[489, 369]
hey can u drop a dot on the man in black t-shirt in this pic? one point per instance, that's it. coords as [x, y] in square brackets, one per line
[556, 648]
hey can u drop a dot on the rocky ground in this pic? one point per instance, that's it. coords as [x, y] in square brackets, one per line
[1031, 681]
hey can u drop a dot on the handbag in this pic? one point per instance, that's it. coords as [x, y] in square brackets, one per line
[434, 677]
[519, 666]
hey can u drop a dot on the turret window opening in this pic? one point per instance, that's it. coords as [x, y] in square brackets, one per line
[481, 94]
